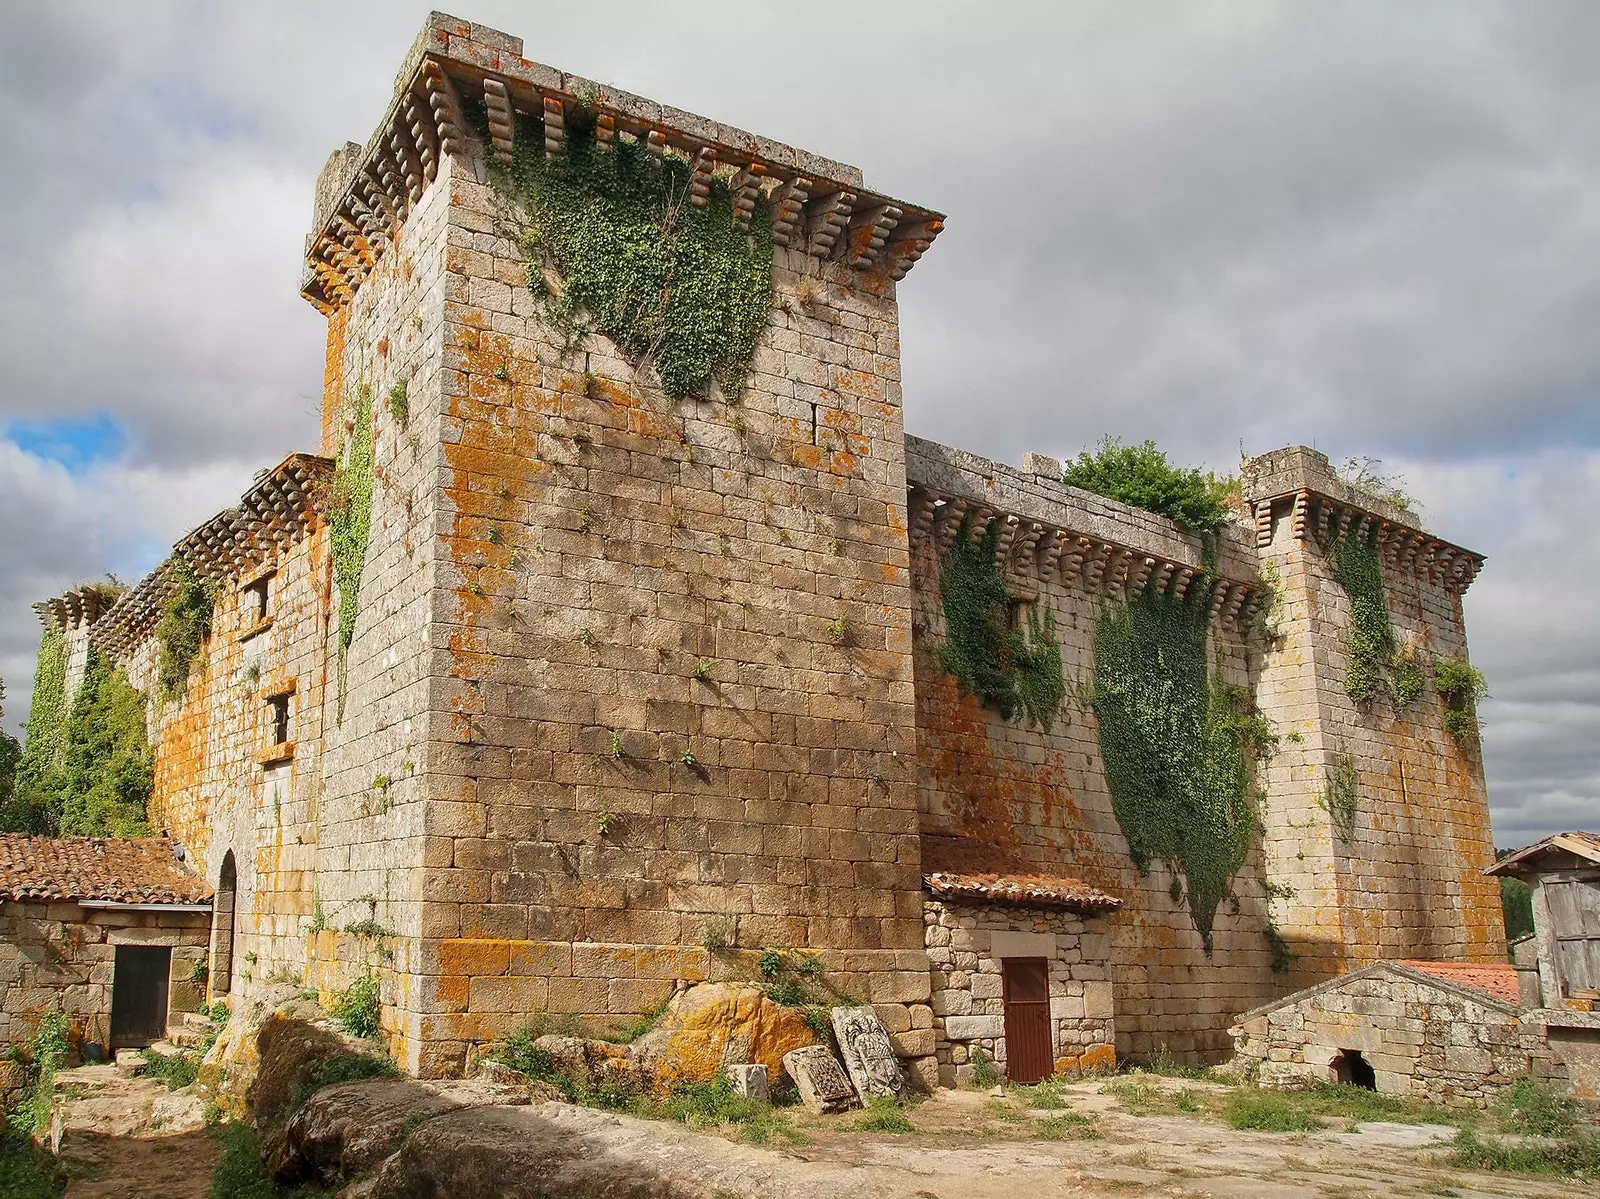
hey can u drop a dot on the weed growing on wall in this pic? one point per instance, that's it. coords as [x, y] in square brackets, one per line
[350, 523]
[1461, 686]
[185, 624]
[1012, 670]
[357, 1008]
[685, 288]
[1140, 475]
[1176, 742]
[1340, 794]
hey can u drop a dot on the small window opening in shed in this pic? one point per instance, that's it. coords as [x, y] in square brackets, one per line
[278, 718]
[1353, 1069]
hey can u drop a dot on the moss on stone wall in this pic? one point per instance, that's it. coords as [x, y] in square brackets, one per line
[350, 523]
[685, 288]
[1177, 742]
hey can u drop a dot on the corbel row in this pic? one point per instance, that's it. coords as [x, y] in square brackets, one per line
[818, 217]
[1032, 550]
[72, 609]
[1400, 547]
[274, 514]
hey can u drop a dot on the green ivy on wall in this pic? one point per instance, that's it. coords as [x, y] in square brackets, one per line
[47, 714]
[1376, 663]
[1177, 742]
[183, 628]
[687, 288]
[1008, 668]
[98, 782]
[350, 523]
[1461, 686]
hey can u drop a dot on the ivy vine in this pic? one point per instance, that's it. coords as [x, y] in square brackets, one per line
[1460, 686]
[1011, 669]
[350, 523]
[183, 628]
[684, 287]
[48, 711]
[1377, 664]
[1177, 742]
[1341, 793]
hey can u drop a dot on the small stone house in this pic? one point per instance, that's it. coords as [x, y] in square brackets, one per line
[1448, 1032]
[114, 932]
[1020, 962]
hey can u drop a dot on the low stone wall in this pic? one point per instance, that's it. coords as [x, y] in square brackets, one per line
[966, 945]
[1438, 1043]
[61, 957]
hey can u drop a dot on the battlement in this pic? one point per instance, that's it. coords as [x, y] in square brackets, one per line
[817, 206]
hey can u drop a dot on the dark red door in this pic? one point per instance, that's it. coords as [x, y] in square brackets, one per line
[139, 995]
[1026, 983]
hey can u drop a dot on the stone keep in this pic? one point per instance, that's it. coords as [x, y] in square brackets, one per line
[590, 598]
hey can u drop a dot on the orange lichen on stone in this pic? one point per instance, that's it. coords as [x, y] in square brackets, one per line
[708, 1025]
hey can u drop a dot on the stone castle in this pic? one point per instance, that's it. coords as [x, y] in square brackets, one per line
[611, 691]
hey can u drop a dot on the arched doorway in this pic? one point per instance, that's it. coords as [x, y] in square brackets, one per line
[222, 927]
[1350, 1068]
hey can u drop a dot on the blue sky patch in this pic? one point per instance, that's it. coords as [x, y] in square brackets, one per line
[74, 442]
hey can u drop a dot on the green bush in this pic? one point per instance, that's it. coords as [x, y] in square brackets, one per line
[984, 1073]
[1516, 902]
[1532, 1107]
[358, 1008]
[1577, 1156]
[27, 1171]
[1267, 1111]
[884, 1114]
[1461, 686]
[1140, 475]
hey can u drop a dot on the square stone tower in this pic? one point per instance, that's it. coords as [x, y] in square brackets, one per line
[628, 672]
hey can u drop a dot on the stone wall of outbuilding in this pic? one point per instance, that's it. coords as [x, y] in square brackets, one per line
[61, 957]
[1433, 1042]
[966, 945]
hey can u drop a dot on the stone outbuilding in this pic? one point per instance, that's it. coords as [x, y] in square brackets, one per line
[113, 932]
[1563, 872]
[1448, 1032]
[1021, 965]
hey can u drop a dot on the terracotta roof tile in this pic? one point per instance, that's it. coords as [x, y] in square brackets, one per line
[106, 869]
[1498, 979]
[973, 871]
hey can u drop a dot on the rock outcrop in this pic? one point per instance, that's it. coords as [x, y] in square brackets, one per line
[716, 1024]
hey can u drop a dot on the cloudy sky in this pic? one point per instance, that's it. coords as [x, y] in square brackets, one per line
[1369, 227]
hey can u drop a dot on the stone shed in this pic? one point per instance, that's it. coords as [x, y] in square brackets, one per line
[1452, 1033]
[1021, 965]
[112, 931]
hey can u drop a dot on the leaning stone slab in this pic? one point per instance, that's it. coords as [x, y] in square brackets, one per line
[868, 1055]
[749, 1081]
[822, 1084]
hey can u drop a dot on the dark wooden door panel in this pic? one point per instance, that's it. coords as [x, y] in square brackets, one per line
[139, 995]
[1025, 986]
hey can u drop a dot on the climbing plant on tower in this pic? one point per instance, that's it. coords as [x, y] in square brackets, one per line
[184, 626]
[350, 522]
[1177, 741]
[686, 287]
[1376, 663]
[1011, 669]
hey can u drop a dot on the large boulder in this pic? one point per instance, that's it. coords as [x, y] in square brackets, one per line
[556, 1151]
[715, 1024]
[347, 1129]
[291, 1054]
[229, 1067]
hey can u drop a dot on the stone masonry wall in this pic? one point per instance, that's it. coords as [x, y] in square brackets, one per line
[1042, 795]
[966, 945]
[1432, 1042]
[1409, 882]
[220, 784]
[647, 726]
[60, 957]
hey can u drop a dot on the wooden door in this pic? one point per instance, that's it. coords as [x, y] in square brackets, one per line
[139, 995]
[1574, 907]
[1026, 987]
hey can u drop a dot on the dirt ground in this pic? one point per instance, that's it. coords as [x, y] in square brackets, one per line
[131, 1139]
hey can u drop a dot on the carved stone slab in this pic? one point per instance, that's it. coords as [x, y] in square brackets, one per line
[868, 1055]
[749, 1081]
[823, 1085]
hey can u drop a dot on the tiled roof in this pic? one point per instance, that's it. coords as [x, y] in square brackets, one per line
[972, 871]
[1498, 979]
[106, 869]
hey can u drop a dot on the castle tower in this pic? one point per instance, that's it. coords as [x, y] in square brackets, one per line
[1377, 824]
[630, 659]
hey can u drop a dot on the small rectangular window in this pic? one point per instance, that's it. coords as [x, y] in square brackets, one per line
[278, 718]
[257, 601]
